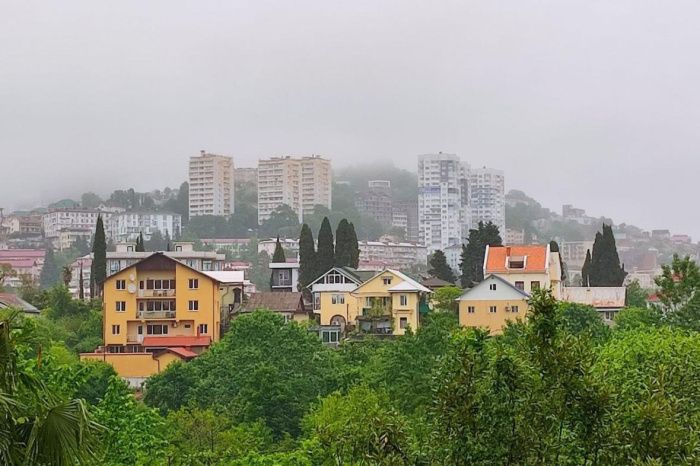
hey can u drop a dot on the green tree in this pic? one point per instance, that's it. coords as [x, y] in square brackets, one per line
[439, 267]
[472, 259]
[678, 283]
[605, 268]
[325, 255]
[636, 296]
[343, 244]
[278, 256]
[140, 246]
[90, 200]
[354, 247]
[579, 319]
[633, 318]
[586, 270]
[98, 273]
[50, 274]
[283, 221]
[445, 298]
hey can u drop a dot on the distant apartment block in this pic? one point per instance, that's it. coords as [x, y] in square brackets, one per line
[383, 254]
[127, 226]
[406, 212]
[211, 179]
[442, 200]
[23, 224]
[376, 202]
[513, 237]
[571, 213]
[56, 220]
[487, 197]
[23, 262]
[573, 253]
[299, 182]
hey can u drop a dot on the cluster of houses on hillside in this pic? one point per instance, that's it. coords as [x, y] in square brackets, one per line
[167, 306]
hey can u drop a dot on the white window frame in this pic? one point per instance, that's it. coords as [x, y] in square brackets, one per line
[193, 283]
[403, 300]
[121, 284]
[471, 309]
[120, 306]
[193, 305]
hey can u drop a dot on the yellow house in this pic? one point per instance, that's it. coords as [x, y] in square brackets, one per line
[387, 302]
[491, 304]
[157, 311]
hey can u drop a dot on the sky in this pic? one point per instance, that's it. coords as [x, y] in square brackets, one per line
[594, 103]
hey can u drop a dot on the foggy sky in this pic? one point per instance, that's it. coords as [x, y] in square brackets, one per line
[595, 103]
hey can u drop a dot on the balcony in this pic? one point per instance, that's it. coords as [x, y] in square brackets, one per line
[282, 283]
[155, 315]
[156, 293]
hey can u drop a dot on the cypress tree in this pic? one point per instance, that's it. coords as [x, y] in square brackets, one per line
[278, 256]
[472, 258]
[439, 267]
[325, 255]
[605, 269]
[354, 247]
[586, 270]
[99, 259]
[49, 272]
[81, 287]
[343, 247]
[554, 247]
[307, 257]
[140, 246]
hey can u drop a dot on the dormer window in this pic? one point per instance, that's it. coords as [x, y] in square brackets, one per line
[516, 262]
[386, 280]
[492, 287]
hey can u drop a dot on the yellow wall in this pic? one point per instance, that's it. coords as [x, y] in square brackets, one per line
[482, 317]
[329, 310]
[133, 364]
[207, 294]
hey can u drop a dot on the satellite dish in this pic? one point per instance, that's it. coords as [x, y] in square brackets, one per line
[131, 288]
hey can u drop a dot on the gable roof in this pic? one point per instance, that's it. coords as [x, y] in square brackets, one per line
[434, 282]
[407, 284]
[160, 255]
[284, 301]
[600, 297]
[12, 300]
[501, 280]
[357, 276]
[184, 353]
[535, 258]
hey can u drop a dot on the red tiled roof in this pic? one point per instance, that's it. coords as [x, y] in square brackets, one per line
[536, 258]
[22, 253]
[172, 342]
[18, 263]
[183, 352]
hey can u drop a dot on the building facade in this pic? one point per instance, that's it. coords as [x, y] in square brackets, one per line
[76, 218]
[393, 255]
[487, 201]
[528, 268]
[376, 202]
[443, 197]
[157, 311]
[211, 179]
[127, 226]
[299, 182]
[492, 304]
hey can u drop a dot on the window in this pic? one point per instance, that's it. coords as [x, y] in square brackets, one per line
[317, 301]
[139, 330]
[338, 299]
[193, 283]
[492, 309]
[206, 265]
[157, 329]
[330, 336]
[115, 329]
[193, 305]
[403, 300]
[141, 285]
[121, 284]
[514, 309]
[534, 285]
[120, 306]
[149, 284]
[520, 285]
[403, 322]
[386, 280]
[203, 329]
[492, 287]
[471, 309]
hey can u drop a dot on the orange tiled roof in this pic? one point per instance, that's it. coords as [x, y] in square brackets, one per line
[497, 259]
[183, 352]
[173, 342]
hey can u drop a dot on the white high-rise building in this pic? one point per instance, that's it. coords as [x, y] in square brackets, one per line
[443, 195]
[487, 197]
[211, 179]
[301, 183]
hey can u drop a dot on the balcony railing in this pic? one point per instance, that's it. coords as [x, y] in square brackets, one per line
[155, 314]
[283, 282]
[156, 293]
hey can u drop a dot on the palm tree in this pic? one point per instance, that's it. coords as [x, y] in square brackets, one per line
[36, 426]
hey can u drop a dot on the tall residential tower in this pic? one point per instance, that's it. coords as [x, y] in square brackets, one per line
[211, 184]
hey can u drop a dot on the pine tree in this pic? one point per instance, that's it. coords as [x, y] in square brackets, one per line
[140, 245]
[325, 255]
[354, 247]
[49, 272]
[278, 256]
[586, 270]
[605, 267]
[472, 258]
[307, 257]
[439, 267]
[343, 247]
[99, 259]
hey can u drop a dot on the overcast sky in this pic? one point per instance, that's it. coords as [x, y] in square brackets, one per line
[595, 103]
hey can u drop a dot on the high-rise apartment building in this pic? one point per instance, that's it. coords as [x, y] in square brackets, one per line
[299, 182]
[442, 200]
[487, 197]
[376, 202]
[211, 178]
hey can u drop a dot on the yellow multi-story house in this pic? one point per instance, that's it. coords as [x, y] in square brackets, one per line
[387, 302]
[157, 311]
[492, 304]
